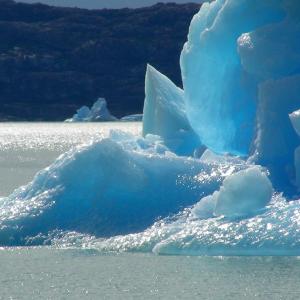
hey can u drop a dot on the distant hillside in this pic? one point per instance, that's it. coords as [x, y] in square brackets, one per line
[53, 60]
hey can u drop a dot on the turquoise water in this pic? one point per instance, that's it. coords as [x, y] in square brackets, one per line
[50, 273]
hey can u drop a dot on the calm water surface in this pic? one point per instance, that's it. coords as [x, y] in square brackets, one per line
[65, 274]
[45, 273]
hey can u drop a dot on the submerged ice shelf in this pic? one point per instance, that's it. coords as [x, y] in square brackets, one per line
[217, 170]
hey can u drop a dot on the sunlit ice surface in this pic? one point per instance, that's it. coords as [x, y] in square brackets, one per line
[26, 148]
[216, 171]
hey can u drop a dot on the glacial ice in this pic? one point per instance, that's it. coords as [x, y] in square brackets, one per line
[98, 113]
[217, 170]
[276, 140]
[241, 194]
[220, 95]
[241, 78]
[165, 115]
[117, 185]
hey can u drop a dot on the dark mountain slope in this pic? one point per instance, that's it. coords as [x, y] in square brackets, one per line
[53, 60]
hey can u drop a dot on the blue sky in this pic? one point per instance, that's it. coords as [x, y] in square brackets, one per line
[105, 3]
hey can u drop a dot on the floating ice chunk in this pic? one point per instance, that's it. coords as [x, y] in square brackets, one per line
[205, 208]
[98, 113]
[133, 118]
[241, 194]
[164, 114]
[220, 96]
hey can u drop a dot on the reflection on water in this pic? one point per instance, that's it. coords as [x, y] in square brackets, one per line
[26, 148]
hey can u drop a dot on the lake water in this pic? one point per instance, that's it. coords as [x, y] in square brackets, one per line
[47, 273]
[26, 148]
[59, 274]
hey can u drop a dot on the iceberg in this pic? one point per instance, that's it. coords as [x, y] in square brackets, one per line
[98, 113]
[117, 185]
[217, 170]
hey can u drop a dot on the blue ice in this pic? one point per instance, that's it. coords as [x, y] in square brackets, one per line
[241, 194]
[165, 114]
[164, 191]
[117, 185]
[220, 94]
